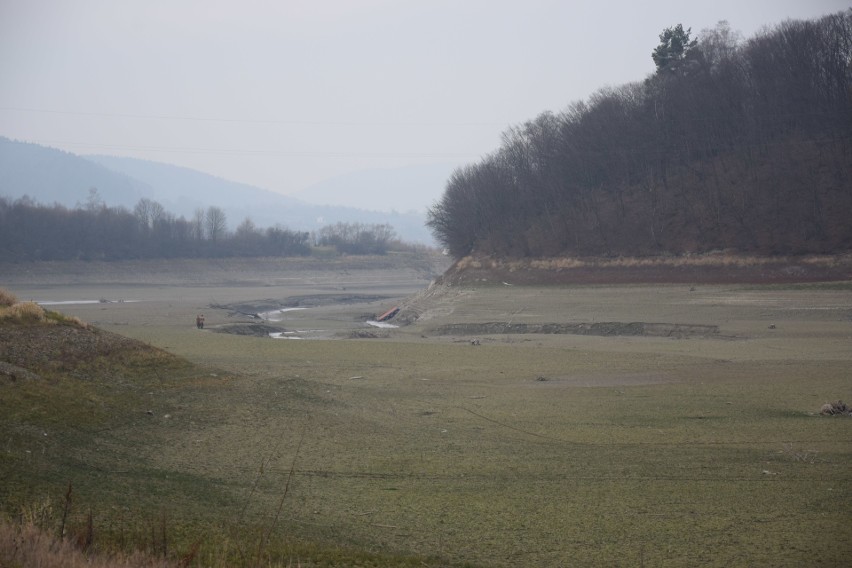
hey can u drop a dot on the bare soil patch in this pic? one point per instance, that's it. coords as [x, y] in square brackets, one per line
[604, 329]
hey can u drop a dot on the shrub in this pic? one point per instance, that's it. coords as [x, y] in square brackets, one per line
[78, 322]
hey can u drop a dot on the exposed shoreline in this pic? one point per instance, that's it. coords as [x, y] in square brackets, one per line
[704, 269]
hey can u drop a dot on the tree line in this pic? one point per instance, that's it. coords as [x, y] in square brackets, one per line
[730, 144]
[30, 231]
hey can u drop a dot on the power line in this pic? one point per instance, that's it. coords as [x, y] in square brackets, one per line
[247, 120]
[249, 152]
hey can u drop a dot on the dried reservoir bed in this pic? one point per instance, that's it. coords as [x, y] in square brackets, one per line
[654, 444]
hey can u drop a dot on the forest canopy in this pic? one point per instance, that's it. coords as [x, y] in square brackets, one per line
[730, 144]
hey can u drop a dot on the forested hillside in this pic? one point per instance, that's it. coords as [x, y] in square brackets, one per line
[730, 144]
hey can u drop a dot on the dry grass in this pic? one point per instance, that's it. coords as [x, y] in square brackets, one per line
[721, 259]
[7, 298]
[31, 312]
[26, 544]
[24, 311]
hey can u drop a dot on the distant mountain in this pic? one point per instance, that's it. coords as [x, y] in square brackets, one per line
[182, 191]
[411, 188]
[51, 176]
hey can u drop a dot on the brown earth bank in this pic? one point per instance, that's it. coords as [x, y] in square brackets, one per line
[602, 329]
[722, 268]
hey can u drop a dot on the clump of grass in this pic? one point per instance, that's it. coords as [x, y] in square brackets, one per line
[78, 322]
[11, 308]
[7, 298]
[38, 513]
[27, 544]
[31, 312]
[24, 311]
[57, 317]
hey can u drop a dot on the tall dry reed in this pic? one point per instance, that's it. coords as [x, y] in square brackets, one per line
[7, 298]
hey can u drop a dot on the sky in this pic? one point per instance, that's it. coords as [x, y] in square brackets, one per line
[284, 94]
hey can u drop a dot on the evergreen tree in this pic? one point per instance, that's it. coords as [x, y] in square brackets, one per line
[675, 45]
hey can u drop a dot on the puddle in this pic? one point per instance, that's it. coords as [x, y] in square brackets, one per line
[382, 324]
[275, 315]
[295, 334]
[284, 335]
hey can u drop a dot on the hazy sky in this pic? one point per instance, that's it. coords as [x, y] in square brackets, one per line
[282, 94]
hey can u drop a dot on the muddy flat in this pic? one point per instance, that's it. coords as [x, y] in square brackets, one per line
[336, 295]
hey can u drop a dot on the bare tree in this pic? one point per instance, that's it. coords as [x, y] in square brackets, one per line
[149, 212]
[198, 227]
[215, 223]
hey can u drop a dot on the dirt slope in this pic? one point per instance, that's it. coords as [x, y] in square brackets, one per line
[705, 269]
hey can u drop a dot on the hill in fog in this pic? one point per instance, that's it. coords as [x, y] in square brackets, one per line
[412, 188]
[48, 176]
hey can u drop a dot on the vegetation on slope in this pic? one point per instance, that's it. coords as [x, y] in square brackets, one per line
[84, 412]
[729, 145]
